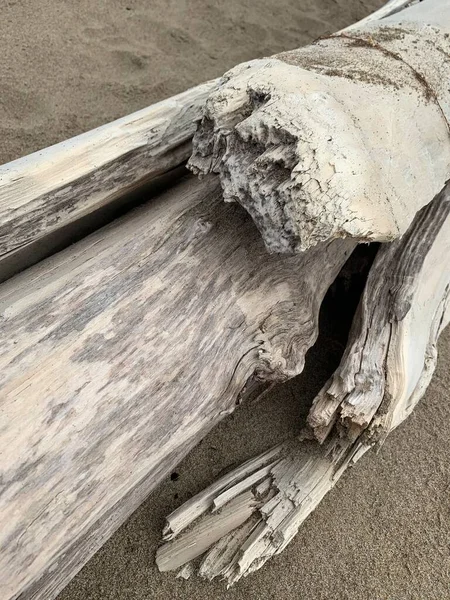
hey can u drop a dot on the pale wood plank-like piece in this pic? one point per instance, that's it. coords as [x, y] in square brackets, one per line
[121, 352]
[391, 352]
[43, 193]
[385, 371]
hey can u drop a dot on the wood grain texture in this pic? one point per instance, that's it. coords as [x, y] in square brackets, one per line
[123, 351]
[45, 191]
[390, 358]
[391, 352]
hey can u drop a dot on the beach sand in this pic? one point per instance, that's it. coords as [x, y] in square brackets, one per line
[383, 533]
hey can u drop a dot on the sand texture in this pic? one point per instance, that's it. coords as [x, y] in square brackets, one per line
[383, 533]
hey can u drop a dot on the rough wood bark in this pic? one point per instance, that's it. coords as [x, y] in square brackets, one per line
[385, 371]
[300, 141]
[41, 194]
[106, 362]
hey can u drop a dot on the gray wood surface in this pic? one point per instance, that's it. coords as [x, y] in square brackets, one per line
[387, 366]
[43, 193]
[121, 352]
[392, 348]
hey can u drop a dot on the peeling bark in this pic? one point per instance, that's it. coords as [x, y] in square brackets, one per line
[347, 137]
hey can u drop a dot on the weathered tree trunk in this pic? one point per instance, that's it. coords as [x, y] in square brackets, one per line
[75, 182]
[385, 371]
[120, 353]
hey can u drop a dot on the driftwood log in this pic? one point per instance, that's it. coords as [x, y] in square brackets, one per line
[50, 198]
[390, 358]
[297, 140]
[122, 351]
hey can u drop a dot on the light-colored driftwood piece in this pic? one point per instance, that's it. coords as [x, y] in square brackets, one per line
[347, 137]
[106, 364]
[253, 512]
[43, 193]
[121, 352]
[390, 8]
[298, 141]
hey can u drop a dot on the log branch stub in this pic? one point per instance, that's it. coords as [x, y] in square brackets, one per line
[346, 137]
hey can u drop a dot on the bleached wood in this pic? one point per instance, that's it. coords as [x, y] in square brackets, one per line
[44, 192]
[209, 531]
[108, 349]
[347, 137]
[391, 352]
[196, 506]
[106, 361]
[388, 9]
[385, 371]
[259, 124]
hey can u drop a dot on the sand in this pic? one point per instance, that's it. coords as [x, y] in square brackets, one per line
[383, 533]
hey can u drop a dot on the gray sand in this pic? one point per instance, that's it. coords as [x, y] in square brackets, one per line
[383, 532]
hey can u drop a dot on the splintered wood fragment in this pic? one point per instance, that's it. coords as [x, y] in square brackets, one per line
[186, 572]
[391, 352]
[201, 503]
[106, 361]
[254, 479]
[301, 477]
[388, 364]
[298, 141]
[197, 540]
[41, 194]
